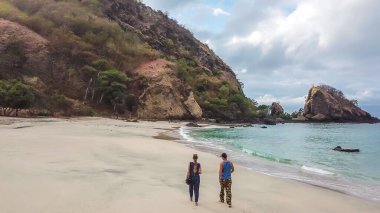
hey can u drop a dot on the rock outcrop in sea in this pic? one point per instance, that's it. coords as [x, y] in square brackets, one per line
[276, 109]
[327, 104]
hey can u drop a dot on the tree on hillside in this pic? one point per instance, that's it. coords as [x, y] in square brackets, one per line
[297, 113]
[354, 102]
[111, 86]
[91, 74]
[14, 96]
[263, 110]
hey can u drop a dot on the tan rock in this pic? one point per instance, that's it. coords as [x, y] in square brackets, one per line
[35, 82]
[166, 96]
[193, 106]
[325, 103]
[300, 118]
[319, 117]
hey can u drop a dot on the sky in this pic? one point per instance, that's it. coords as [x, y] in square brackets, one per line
[279, 49]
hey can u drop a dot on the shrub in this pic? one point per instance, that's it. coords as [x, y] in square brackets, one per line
[14, 95]
[84, 111]
[60, 102]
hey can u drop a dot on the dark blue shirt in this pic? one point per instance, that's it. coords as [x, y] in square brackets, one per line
[195, 176]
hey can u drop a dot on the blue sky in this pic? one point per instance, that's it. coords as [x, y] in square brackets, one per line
[280, 48]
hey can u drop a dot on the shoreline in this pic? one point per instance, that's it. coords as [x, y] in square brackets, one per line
[236, 123]
[104, 165]
[311, 182]
[300, 173]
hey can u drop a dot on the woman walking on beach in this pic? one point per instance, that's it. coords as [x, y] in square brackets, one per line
[225, 169]
[193, 176]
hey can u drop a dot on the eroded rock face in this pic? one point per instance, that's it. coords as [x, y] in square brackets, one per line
[325, 103]
[193, 107]
[276, 109]
[166, 97]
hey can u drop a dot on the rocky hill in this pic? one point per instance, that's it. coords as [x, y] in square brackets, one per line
[166, 35]
[325, 104]
[112, 57]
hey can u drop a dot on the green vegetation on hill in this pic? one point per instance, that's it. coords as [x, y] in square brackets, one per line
[218, 98]
[81, 41]
[91, 55]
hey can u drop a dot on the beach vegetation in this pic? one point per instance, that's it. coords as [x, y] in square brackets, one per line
[297, 113]
[60, 102]
[15, 96]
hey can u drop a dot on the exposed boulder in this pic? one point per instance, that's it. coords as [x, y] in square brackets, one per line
[193, 106]
[318, 117]
[325, 103]
[193, 125]
[276, 109]
[166, 97]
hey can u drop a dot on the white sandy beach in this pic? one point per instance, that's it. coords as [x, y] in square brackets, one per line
[94, 165]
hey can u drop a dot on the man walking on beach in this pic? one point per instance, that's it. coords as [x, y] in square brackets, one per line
[225, 169]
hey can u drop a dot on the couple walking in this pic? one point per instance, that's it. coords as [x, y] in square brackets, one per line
[193, 178]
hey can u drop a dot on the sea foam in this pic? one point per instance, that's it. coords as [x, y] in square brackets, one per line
[316, 170]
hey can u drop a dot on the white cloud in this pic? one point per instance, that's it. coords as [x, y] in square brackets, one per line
[311, 29]
[220, 11]
[241, 71]
[364, 94]
[209, 43]
[268, 99]
[285, 46]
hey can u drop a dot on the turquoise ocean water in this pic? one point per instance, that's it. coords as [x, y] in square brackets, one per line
[302, 152]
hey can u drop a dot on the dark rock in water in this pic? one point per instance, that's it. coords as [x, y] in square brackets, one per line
[192, 125]
[269, 122]
[232, 127]
[340, 149]
[264, 127]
